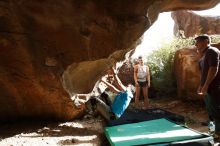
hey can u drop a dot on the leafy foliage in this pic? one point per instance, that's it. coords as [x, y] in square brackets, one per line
[215, 39]
[160, 63]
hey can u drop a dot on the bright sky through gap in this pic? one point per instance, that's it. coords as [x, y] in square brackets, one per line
[161, 31]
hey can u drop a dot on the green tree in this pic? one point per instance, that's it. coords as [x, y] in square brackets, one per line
[160, 62]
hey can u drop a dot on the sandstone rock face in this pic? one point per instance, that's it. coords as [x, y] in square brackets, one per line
[49, 46]
[189, 24]
[126, 73]
[187, 72]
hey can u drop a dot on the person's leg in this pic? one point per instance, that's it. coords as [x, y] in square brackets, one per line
[137, 94]
[217, 123]
[208, 107]
[103, 109]
[217, 130]
[146, 100]
[217, 126]
[216, 118]
[214, 113]
[215, 94]
[105, 97]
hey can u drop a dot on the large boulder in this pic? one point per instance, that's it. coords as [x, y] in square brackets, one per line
[126, 73]
[189, 24]
[187, 73]
[51, 48]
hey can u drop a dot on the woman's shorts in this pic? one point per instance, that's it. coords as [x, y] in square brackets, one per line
[142, 84]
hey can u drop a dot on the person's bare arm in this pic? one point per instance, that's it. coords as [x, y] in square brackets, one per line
[118, 82]
[199, 90]
[111, 87]
[212, 72]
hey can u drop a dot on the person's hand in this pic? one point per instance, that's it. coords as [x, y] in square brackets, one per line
[136, 84]
[199, 90]
[148, 85]
[202, 90]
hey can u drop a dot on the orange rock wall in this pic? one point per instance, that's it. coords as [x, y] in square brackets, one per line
[40, 39]
[187, 73]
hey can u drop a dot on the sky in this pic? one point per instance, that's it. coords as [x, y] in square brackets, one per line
[161, 31]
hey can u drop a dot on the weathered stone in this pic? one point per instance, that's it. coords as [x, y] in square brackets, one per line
[187, 74]
[81, 34]
[189, 24]
[126, 73]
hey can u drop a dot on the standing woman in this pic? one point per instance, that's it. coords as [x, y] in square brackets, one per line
[142, 80]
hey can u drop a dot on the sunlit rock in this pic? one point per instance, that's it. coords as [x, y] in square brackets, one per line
[187, 73]
[189, 24]
[126, 73]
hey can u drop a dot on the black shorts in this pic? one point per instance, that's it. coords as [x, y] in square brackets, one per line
[142, 84]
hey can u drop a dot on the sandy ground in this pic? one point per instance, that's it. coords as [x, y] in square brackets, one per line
[88, 131]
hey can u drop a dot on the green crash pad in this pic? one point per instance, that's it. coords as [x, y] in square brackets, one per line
[153, 132]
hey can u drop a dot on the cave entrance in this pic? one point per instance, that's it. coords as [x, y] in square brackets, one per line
[172, 32]
[159, 35]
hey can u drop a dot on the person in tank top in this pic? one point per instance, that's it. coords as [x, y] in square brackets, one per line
[142, 81]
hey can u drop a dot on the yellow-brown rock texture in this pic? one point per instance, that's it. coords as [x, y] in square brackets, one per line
[47, 46]
[189, 24]
[126, 73]
[187, 74]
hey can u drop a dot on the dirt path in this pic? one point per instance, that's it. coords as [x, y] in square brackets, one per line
[89, 131]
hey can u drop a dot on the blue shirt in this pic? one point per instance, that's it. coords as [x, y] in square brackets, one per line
[121, 102]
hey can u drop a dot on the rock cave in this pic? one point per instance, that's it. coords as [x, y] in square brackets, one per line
[52, 49]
